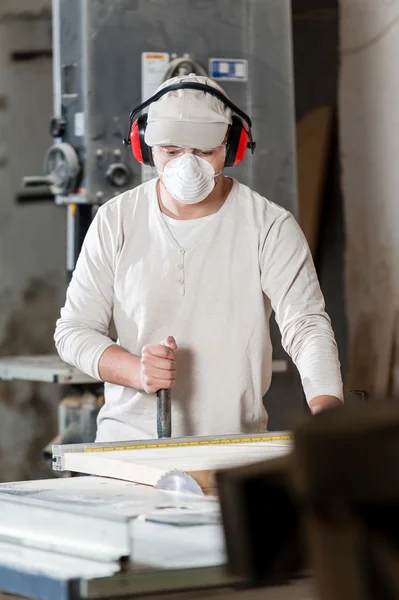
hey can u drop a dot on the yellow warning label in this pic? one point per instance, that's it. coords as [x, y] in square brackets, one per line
[155, 56]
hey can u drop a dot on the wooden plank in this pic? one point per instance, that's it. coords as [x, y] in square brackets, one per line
[148, 465]
[314, 136]
[386, 350]
[394, 379]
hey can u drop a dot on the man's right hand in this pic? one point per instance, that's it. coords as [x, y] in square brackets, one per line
[158, 366]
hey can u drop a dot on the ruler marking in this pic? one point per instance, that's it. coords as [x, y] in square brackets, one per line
[251, 440]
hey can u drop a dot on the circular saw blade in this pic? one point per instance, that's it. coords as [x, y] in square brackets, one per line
[179, 481]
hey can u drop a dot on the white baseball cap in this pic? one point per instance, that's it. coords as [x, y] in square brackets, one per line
[188, 118]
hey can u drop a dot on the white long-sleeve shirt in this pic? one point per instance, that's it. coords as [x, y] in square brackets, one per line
[214, 295]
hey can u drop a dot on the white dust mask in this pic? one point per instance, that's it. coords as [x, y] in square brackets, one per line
[189, 178]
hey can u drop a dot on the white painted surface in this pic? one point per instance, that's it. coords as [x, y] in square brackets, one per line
[369, 125]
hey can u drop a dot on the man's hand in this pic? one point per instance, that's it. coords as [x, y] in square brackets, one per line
[320, 403]
[158, 366]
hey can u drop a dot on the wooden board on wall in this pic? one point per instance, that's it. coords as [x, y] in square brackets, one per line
[395, 367]
[386, 344]
[387, 374]
[314, 137]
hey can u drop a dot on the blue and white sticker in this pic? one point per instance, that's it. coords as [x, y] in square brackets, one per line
[228, 69]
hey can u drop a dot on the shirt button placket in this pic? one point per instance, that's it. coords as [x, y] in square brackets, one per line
[181, 274]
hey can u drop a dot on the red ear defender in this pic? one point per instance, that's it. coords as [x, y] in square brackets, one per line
[135, 142]
[242, 146]
[237, 143]
[141, 152]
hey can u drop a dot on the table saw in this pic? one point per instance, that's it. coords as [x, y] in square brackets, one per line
[97, 537]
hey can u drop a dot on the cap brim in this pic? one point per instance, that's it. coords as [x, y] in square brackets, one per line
[204, 136]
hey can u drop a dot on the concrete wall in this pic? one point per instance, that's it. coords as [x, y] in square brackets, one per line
[369, 126]
[32, 235]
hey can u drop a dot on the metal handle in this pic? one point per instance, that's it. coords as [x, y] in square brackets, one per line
[164, 413]
[37, 180]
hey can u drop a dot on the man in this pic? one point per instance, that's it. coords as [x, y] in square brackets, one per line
[190, 265]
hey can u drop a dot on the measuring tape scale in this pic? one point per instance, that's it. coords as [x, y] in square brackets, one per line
[250, 440]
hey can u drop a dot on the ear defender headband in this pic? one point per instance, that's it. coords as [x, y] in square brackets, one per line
[239, 138]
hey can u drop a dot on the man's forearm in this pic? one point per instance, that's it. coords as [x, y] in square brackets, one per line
[118, 366]
[320, 403]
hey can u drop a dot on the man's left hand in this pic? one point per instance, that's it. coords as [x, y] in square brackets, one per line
[320, 403]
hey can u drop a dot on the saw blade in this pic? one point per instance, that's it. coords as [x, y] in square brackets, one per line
[179, 481]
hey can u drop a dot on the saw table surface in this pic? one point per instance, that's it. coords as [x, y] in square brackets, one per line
[92, 537]
[97, 518]
[87, 527]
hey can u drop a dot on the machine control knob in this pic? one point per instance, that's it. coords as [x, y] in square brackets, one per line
[62, 167]
[61, 170]
[57, 127]
[118, 174]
